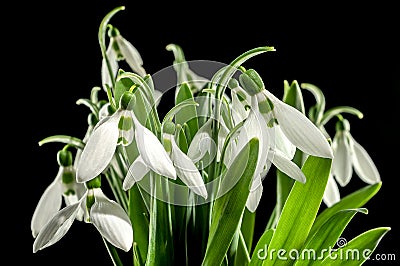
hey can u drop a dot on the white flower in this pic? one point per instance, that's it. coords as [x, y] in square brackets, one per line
[295, 126]
[106, 215]
[286, 128]
[122, 127]
[63, 186]
[255, 126]
[349, 155]
[331, 194]
[184, 167]
[119, 48]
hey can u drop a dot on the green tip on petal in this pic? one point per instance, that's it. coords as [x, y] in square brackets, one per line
[94, 183]
[251, 82]
[64, 158]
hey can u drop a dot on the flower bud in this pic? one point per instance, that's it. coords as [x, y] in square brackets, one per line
[169, 128]
[64, 158]
[251, 82]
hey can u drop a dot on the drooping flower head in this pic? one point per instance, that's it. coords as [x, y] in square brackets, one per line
[63, 186]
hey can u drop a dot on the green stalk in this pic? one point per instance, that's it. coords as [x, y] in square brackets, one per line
[244, 246]
[112, 251]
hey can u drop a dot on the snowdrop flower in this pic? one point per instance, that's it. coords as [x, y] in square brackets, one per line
[184, 166]
[118, 49]
[63, 186]
[289, 129]
[255, 126]
[331, 193]
[106, 215]
[120, 128]
[349, 155]
[292, 127]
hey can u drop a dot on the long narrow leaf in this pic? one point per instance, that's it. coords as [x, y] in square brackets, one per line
[261, 249]
[355, 200]
[358, 250]
[247, 229]
[187, 114]
[230, 206]
[300, 209]
[327, 236]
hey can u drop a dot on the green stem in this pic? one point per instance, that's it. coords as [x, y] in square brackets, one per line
[244, 246]
[112, 251]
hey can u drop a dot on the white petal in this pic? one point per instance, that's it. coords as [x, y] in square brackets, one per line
[300, 130]
[201, 143]
[255, 127]
[286, 166]
[56, 228]
[112, 222]
[283, 144]
[112, 59]
[342, 162]
[153, 152]
[254, 198]
[187, 171]
[99, 150]
[49, 204]
[331, 194]
[136, 172]
[131, 55]
[363, 165]
[239, 112]
[103, 112]
[222, 134]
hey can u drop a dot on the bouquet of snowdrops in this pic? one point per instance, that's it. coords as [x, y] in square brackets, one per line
[184, 187]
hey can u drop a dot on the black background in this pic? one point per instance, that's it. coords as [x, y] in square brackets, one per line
[351, 53]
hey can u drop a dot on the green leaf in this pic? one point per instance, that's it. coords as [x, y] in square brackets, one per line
[247, 229]
[357, 251]
[300, 209]
[181, 139]
[141, 109]
[229, 207]
[188, 113]
[138, 215]
[77, 143]
[293, 95]
[355, 200]
[328, 234]
[261, 249]
[122, 85]
[160, 243]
